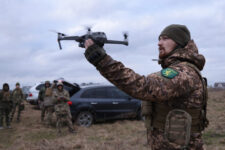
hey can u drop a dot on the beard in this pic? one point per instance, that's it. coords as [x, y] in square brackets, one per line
[162, 53]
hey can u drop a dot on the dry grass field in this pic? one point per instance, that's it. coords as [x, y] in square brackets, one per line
[30, 134]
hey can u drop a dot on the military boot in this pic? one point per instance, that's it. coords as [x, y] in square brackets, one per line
[42, 120]
[8, 124]
[59, 132]
[10, 119]
[73, 131]
[9, 127]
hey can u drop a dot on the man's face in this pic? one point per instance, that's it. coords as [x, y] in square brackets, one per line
[6, 88]
[17, 86]
[60, 87]
[47, 85]
[166, 45]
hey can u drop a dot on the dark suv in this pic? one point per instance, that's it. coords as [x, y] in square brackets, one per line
[100, 103]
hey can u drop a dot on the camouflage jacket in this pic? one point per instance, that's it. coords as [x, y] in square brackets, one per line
[17, 95]
[5, 99]
[60, 99]
[45, 95]
[41, 94]
[184, 90]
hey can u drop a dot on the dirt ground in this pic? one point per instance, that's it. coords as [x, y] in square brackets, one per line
[30, 134]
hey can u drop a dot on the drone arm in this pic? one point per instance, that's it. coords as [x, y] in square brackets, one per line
[116, 42]
[76, 38]
[60, 47]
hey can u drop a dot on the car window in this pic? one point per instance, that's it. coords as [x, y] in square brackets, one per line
[70, 89]
[94, 93]
[40, 86]
[66, 87]
[114, 92]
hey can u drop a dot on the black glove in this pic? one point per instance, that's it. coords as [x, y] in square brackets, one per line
[94, 54]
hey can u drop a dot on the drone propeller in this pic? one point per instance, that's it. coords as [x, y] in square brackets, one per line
[53, 31]
[88, 29]
[125, 35]
[59, 33]
[59, 36]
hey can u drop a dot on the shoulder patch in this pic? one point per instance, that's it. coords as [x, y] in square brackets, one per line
[169, 73]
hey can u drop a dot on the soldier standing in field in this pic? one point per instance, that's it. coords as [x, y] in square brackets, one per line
[177, 94]
[41, 98]
[5, 105]
[17, 97]
[49, 104]
[61, 97]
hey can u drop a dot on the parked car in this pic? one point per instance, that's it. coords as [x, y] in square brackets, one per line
[25, 90]
[33, 93]
[101, 103]
[34, 90]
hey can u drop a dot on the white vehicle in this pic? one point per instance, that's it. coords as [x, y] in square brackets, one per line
[33, 93]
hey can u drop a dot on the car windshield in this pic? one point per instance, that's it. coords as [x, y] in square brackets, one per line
[40, 86]
[26, 89]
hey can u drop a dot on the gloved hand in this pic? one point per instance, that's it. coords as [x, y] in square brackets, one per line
[94, 54]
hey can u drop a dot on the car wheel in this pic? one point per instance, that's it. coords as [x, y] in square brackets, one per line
[85, 119]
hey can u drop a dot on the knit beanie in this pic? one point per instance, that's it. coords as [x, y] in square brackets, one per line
[178, 33]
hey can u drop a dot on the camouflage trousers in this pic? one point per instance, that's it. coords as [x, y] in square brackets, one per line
[49, 112]
[43, 110]
[61, 119]
[4, 112]
[148, 127]
[16, 106]
[158, 142]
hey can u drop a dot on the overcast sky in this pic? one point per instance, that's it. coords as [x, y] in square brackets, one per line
[30, 53]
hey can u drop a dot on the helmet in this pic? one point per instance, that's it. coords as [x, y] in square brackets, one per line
[5, 87]
[59, 83]
[47, 82]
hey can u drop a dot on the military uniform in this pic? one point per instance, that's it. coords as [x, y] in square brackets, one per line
[41, 96]
[49, 105]
[146, 112]
[62, 110]
[46, 102]
[5, 105]
[17, 97]
[177, 95]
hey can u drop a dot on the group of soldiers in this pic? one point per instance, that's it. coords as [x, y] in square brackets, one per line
[54, 98]
[51, 98]
[9, 102]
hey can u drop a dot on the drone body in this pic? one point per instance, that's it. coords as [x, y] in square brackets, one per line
[98, 37]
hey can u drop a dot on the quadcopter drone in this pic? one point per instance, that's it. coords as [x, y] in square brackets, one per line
[98, 37]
